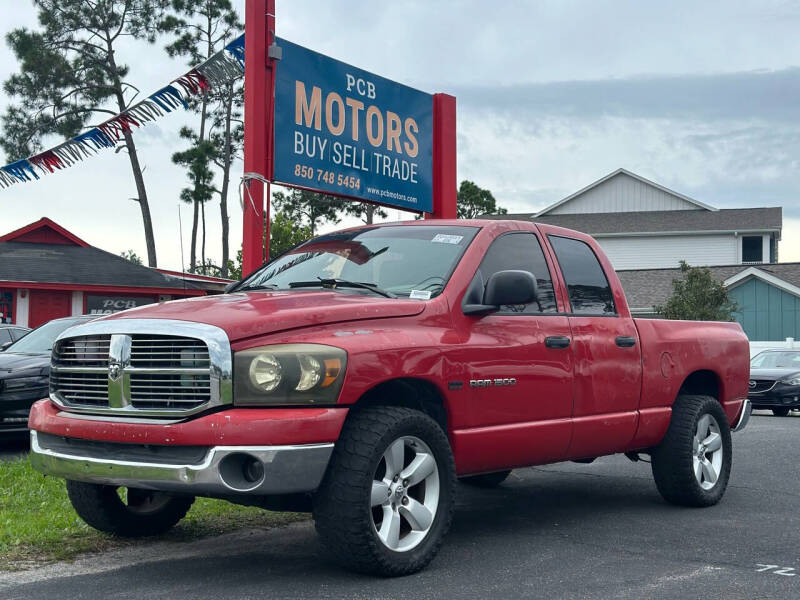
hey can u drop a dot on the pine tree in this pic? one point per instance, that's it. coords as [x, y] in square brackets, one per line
[70, 73]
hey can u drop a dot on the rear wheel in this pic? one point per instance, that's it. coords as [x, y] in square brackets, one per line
[780, 412]
[692, 464]
[127, 512]
[386, 501]
[486, 480]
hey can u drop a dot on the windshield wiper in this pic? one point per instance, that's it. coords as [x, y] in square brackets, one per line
[334, 283]
[269, 286]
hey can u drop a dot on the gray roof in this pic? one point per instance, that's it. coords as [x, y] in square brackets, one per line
[77, 265]
[646, 288]
[662, 221]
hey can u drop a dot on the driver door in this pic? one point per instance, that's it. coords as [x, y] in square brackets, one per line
[520, 368]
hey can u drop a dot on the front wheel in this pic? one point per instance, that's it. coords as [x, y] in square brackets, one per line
[780, 412]
[127, 512]
[386, 501]
[692, 464]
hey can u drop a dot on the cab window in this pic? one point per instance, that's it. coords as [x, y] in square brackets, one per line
[587, 284]
[523, 252]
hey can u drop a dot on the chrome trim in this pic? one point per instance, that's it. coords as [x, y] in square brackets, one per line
[106, 418]
[219, 353]
[287, 469]
[764, 391]
[744, 416]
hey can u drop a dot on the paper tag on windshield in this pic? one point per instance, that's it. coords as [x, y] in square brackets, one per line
[420, 294]
[443, 238]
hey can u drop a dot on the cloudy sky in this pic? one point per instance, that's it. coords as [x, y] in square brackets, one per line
[703, 98]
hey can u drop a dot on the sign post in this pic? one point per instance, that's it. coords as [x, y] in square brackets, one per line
[259, 29]
[323, 125]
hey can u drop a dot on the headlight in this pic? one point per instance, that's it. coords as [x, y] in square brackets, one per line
[792, 381]
[288, 374]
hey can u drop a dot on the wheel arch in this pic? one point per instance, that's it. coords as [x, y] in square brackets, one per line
[410, 392]
[703, 382]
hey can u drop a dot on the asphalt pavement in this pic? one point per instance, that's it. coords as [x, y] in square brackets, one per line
[562, 531]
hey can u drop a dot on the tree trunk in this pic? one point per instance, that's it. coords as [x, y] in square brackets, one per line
[370, 213]
[138, 178]
[203, 246]
[226, 175]
[193, 250]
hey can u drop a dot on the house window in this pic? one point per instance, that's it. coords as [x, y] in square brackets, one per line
[752, 249]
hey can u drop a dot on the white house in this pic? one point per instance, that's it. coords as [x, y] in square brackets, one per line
[643, 225]
[647, 229]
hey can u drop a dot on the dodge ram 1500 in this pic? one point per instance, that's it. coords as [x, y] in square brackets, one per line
[361, 374]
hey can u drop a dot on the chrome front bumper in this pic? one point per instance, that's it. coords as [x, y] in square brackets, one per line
[223, 471]
[744, 416]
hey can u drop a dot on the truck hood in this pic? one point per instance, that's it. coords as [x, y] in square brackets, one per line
[249, 314]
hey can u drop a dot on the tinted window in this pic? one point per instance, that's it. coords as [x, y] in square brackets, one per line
[18, 333]
[5, 336]
[521, 251]
[752, 249]
[589, 291]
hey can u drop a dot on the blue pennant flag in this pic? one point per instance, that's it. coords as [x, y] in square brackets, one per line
[236, 47]
[97, 137]
[168, 98]
[22, 170]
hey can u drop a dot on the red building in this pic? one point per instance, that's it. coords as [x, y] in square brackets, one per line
[47, 272]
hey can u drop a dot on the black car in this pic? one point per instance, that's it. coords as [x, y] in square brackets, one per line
[25, 372]
[775, 381]
[10, 334]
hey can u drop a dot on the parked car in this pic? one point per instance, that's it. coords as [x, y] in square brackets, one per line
[775, 381]
[25, 372]
[10, 334]
[361, 373]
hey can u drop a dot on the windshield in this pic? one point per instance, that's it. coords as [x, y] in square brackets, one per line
[776, 360]
[407, 261]
[40, 341]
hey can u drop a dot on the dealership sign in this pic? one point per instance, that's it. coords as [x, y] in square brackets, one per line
[105, 305]
[341, 130]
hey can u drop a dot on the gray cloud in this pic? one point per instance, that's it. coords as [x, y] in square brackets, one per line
[759, 95]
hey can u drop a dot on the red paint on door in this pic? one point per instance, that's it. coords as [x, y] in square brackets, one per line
[45, 305]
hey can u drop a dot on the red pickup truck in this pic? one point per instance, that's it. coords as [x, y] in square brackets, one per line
[360, 374]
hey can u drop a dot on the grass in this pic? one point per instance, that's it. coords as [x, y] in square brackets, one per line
[38, 525]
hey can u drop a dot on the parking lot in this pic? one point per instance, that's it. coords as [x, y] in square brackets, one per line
[562, 531]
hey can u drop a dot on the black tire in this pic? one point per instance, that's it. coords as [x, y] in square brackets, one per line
[780, 412]
[145, 513]
[343, 514]
[486, 480]
[673, 459]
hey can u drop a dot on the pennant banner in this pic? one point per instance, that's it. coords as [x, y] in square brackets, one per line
[219, 69]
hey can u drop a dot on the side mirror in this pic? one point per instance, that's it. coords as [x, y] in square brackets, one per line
[231, 285]
[5, 345]
[504, 288]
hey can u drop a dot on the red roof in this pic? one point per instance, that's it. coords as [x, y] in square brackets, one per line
[44, 231]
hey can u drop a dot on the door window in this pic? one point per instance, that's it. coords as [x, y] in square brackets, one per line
[587, 284]
[523, 252]
[5, 336]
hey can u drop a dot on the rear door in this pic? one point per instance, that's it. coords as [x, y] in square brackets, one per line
[520, 368]
[605, 347]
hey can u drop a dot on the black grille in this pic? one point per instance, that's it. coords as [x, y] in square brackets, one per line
[758, 386]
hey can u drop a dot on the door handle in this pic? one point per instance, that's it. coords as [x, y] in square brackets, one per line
[626, 341]
[556, 341]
